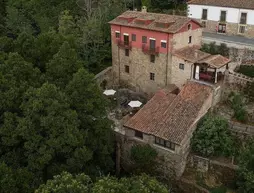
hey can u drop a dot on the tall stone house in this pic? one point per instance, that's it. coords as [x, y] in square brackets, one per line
[232, 17]
[154, 53]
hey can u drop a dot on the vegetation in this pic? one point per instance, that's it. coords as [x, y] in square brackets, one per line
[249, 91]
[212, 137]
[246, 171]
[82, 183]
[144, 157]
[247, 70]
[237, 104]
[212, 48]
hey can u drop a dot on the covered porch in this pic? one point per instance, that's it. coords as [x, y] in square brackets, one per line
[211, 69]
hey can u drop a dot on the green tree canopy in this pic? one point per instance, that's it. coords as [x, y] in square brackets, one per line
[81, 183]
[246, 168]
[212, 137]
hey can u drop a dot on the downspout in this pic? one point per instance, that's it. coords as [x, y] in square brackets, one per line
[119, 71]
[167, 61]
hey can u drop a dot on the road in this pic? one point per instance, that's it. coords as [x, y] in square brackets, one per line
[231, 41]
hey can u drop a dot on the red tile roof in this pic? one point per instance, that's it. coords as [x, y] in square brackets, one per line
[170, 116]
[245, 4]
[152, 21]
[194, 55]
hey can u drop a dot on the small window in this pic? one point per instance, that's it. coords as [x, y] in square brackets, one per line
[163, 44]
[170, 145]
[223, 16]
[139, 134]
[189, 27]
[144, 39]
[204, 14]
[152, 76]
[126, 52]
[152, 58]
[190, 38]
[133, 37]
[117, 35]
[243, 18]
[127, 69]
[181, 66]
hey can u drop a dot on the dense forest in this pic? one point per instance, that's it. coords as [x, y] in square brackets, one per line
[52, 114]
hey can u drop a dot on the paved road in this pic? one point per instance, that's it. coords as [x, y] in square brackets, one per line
[234, 41]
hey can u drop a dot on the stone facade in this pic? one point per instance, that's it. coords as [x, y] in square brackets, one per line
[165, 67]
[231, 28]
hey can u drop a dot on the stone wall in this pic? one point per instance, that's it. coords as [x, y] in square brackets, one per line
[180, 40]
[104, 78]
[241, 128]
[231, 28]
[180, 76]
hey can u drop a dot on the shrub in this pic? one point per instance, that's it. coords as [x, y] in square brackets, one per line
[212, 137]
[143, 156]
[247, 70]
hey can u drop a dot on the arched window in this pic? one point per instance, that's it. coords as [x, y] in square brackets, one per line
[189, 26]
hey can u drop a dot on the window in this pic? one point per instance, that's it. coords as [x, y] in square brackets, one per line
[152, 58]
[163, 44]
[127, 69]
[126, 39]
[152, 76]
[204, 14]
[223, 16]
[243, 19]
[139, 134]
[190, 39]
[144, 39]
[181, 66]
[117, 34]
[164, 143]
[126, 52]
[189, 27]
[133, 37]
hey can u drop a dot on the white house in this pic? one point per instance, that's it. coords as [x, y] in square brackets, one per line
[224, 16]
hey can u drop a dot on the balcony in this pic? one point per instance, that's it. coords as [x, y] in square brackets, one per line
[148, 50]
[124, 44]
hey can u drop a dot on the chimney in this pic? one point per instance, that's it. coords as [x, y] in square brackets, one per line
[144, 9]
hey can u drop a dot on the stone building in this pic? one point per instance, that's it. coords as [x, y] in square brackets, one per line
[232, 17]
[151, 51]
[168, 120]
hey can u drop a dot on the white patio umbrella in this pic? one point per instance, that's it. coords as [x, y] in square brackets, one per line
[135, 104]
[109, 92]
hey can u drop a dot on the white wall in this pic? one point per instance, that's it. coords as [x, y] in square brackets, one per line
[213, 13]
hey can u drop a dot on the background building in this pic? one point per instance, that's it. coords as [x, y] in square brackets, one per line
[233, 17]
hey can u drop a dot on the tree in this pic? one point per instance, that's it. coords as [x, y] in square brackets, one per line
[16, 77]
[81, 183]
[86, 99]
[49, 129]
[212, 137]
[14, 180]
[144, 157]
[66, 183]
[246, 168]
[63, 65]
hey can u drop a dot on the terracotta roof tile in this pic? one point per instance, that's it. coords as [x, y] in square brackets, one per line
[247, 4]
[216, 61]
[174, 23]
[191, 54]
[170, 116]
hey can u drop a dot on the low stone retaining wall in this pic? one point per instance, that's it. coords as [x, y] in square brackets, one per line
[187, 186]
[241, 128]
[104, 78]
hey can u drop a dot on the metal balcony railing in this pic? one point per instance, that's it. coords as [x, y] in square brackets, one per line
[148, 50]
[124, 44]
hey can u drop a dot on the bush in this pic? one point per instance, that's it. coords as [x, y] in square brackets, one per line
[212, 137]
[249, 91]
[212, 48]
[144, 157]
[237, 104]
[247, 70]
